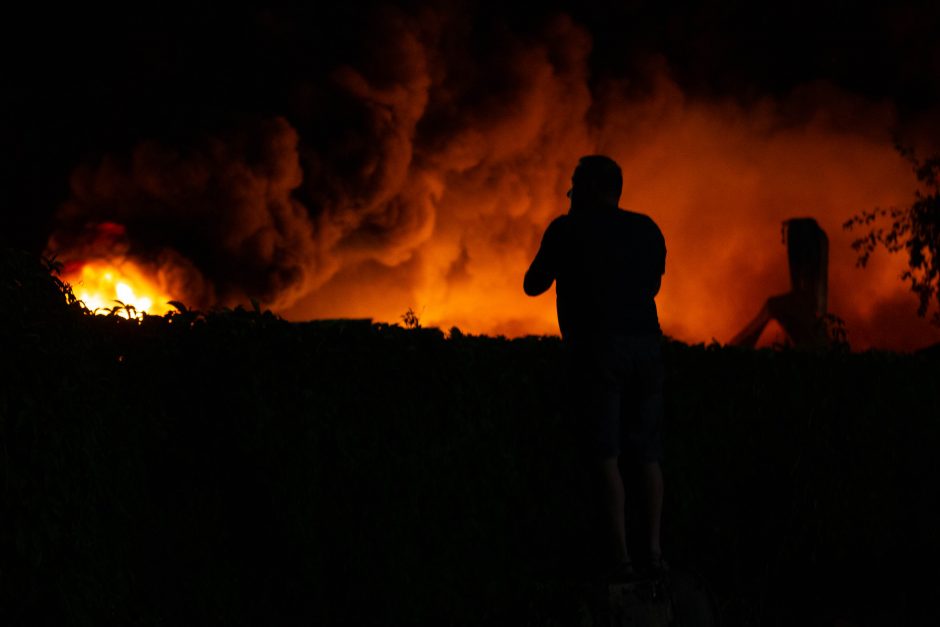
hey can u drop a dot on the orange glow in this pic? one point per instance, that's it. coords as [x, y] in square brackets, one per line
[444, 217]
[103, 284]
[718, 179]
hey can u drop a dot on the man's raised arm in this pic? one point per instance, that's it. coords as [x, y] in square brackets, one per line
[543, 271]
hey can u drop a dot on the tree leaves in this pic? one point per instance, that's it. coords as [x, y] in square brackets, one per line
[914, 229]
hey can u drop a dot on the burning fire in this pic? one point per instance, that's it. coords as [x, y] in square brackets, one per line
[102, 285]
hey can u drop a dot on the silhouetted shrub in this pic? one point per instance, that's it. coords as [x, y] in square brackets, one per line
[232, 468]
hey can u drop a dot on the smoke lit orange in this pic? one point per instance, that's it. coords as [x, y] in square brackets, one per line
[443, 217]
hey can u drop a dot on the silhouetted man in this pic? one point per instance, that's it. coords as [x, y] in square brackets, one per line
[607, 264]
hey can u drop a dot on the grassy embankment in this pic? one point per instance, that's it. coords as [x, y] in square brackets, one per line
[234, 469]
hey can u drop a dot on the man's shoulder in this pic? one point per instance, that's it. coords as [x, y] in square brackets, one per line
[639, 220]
[558, 225]
[560, 221]
[634, 216]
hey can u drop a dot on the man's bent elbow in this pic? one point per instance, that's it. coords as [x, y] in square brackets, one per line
[533, 286]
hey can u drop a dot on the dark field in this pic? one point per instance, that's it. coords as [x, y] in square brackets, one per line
[235, 469]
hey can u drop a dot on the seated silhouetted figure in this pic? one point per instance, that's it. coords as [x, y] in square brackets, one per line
[799, 311]
[607, 264]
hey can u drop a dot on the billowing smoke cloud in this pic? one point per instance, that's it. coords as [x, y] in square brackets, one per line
[422, 173]
[222, 210]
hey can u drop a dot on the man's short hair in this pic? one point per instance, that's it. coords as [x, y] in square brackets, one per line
[599, 172]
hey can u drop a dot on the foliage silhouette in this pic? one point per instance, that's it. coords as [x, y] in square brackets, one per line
[410, 319]
[915, 229]
[231, 468]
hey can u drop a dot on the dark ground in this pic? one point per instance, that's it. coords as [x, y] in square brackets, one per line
[235, 469]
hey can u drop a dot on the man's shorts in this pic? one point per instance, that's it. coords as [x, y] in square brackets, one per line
[616, 396]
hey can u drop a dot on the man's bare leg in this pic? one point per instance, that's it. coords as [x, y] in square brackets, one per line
[653, 485]
[614, 495]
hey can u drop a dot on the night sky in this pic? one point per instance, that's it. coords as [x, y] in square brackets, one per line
[150, 118]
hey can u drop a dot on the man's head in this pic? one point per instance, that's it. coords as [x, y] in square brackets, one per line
[597, 181]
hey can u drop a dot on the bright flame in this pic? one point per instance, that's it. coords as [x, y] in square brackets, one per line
[101, 284]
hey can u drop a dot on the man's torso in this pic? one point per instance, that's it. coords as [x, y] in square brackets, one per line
[610, 264]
